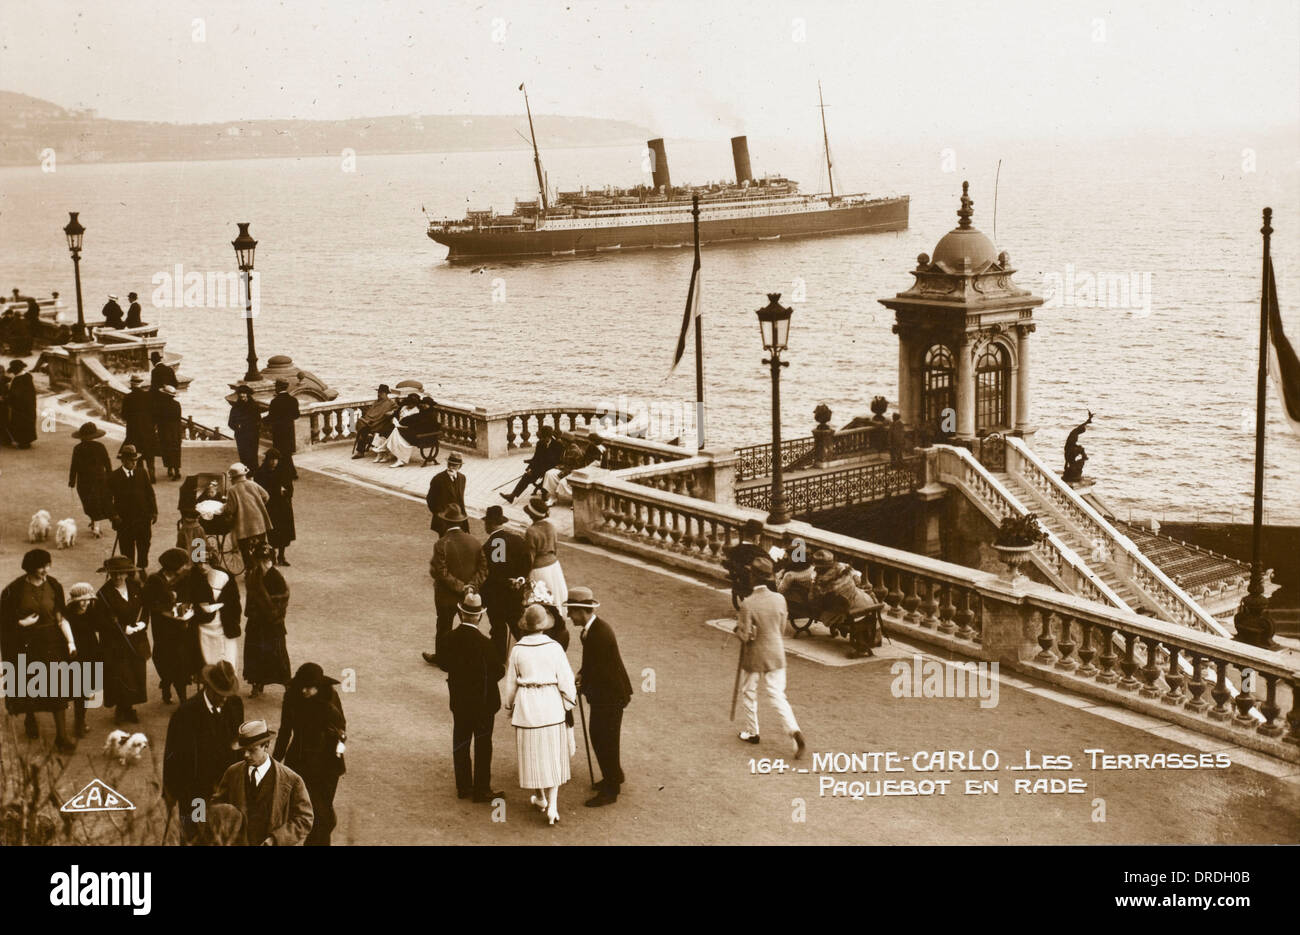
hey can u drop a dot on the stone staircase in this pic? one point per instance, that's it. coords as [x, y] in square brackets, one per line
[1085, 550]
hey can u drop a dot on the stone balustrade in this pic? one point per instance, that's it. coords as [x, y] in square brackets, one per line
[708, 475]
[1163, 669]
[1124, 557]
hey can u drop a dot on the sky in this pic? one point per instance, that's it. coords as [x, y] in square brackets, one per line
[682, 69]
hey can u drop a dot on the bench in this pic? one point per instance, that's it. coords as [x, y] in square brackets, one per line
[429, 444]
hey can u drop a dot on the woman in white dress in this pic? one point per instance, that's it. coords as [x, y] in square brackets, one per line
[379, 443]
[543, 560]
[540, 690]
[213, 596]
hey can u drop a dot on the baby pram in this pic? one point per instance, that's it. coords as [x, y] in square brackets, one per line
[200, 519]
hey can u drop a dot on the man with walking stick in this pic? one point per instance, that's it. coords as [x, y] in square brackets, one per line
[760, 622]
[603, 680]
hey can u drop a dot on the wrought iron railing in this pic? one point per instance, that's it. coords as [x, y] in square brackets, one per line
[865, 483]
[756, 460]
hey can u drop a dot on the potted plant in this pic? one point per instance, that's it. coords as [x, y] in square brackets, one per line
[1016, 538]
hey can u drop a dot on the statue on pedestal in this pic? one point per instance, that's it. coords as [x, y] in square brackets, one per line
[1075, 456]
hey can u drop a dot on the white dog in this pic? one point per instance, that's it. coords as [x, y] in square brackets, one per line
[65, 533]
[38, 530]
[126, 748]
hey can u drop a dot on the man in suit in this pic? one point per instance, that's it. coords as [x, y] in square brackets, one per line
[162, 374]
[198, 748]
[548, 454]
[473, 670]
[138, 415]
[458, 563]
[133, 319]
[112, 312]
[762, 619]
[378, 419]
[507, 558]
[281, 414]
[272, 797]
[739, 558]
[135, 509]
[447, 488]
[603, 679]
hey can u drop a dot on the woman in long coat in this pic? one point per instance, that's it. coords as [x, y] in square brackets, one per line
[85, 615]
[32, 624]
[275, 476]
[544, 560]
[123, 640]
[175, 644]
[540, 691]
[206, 586]
[167, 419]
[89, 472]
[266, 657]
[246, 507]
[310, 742]
[245, 421]
[22, 405]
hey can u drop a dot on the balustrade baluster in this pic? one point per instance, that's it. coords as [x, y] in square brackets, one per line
[1107, 675]
[1220, 692]
[1270, 709]
[965, 617]
[1045, 640]
[1294, 717]
[1174, 677]
[930, 607]
[1245, 701]
[1151, 671]
[912, 600]
[1065, 646]
[1196, 687]
[1129, 665]
[895, 596]
[1086, 650]
[947, 610]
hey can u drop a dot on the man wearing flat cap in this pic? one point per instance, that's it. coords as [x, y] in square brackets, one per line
[458, 563]
[135, 509]
[761, 621]
[199, 738]
[603, 680]
[281, 414]
[473, 670]
[446, 488]
[377, 420]
[272, 797]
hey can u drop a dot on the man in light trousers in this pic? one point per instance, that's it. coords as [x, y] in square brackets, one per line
[762, 618]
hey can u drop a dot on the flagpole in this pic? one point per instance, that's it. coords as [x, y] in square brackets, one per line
[1252, 620]
[699, 334]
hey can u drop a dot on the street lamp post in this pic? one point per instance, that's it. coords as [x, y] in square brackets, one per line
[74, 232]
[774, 324]
[244, 246]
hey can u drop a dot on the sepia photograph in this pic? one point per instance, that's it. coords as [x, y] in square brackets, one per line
[566, 422]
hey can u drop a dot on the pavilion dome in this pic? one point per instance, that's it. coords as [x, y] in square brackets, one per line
[964, 243]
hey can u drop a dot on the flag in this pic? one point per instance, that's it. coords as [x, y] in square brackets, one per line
[1283, 367]
[692, 313]
[521, 86]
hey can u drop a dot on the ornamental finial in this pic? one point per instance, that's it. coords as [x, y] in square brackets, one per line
[965, 211]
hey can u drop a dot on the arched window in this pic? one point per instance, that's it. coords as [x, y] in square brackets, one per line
[938, 390]
[993, 388]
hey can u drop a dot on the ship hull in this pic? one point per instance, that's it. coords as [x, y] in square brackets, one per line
[885, 214]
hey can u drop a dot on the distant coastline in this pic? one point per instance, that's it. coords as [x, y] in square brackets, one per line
[32, 131]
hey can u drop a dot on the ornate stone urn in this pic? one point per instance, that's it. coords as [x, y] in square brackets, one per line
[1015, 541]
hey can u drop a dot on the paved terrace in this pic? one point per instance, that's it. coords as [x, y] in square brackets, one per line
[362, 599]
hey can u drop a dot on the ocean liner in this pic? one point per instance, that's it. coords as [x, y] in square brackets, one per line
[659, 215]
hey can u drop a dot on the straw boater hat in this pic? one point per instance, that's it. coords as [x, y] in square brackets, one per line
[537, 507]
[221, 678]
[168, 389]
[251, 733]
[453, 514]
[88, 431]
[115, 564]
[470, 605]
[113, 297]
[582, 597]
[455, 458]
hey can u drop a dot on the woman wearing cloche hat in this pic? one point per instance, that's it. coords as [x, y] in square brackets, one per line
[124, 641]
[89, 472]
[312, 732]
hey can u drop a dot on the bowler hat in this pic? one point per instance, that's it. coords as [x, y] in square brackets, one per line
[155, 357]
[173, 559]
[281, 384]
[582, 597]
[132, 296]
[117, 563]
[471, 603]
[251, 733]
[455, 458]
[221, 678]
[127, 451]
[310, 674]
[88, 430]
[453, 514]
[494, 516]
[17, 366]
[752, 529]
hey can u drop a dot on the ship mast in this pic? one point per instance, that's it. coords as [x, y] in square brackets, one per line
[826, 140]
[537, 157]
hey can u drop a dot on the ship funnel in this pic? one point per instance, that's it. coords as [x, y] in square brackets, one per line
[740, 155]
[659, 163]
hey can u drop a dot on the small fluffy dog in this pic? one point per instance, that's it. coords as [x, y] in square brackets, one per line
[38, 530]
[124, 747]
[65, 533]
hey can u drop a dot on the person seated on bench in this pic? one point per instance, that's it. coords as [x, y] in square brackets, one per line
[378, 420]
[580, 454]
[379, 442]
[404, 442]
[548, 454]
[794, 571]
[843, 604]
